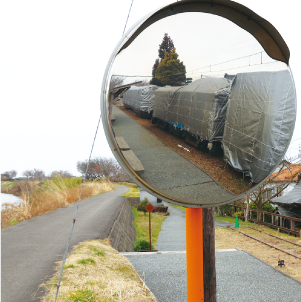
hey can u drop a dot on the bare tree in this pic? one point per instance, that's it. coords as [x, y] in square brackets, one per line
[9, 174]
[269, 189]
[61, 173]
[35, 173]
[102, 167]
[116, 81]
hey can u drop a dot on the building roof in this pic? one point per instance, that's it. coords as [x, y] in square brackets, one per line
[289, 173]
[293, 197]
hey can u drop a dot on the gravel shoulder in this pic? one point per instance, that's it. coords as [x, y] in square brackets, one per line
[240, 276]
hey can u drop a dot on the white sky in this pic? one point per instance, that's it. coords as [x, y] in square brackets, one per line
[53, 57]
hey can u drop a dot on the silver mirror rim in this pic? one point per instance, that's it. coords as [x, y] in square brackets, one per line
[114, 147]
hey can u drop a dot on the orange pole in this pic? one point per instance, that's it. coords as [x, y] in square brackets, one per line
[194, 255]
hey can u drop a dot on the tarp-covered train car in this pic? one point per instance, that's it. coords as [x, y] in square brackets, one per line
[140, 99]
[198, 108]
[259, 122]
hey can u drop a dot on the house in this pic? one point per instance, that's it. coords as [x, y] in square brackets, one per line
[290, 205]
[285, 176]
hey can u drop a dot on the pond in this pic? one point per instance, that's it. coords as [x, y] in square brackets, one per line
[9, 198]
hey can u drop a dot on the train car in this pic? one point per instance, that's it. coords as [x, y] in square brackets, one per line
[139, 99]
[259, 121]
[196, 111]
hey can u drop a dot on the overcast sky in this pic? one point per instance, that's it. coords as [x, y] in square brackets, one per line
[53, 57]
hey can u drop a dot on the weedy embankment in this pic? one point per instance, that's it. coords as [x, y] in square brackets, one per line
[41, 197]
[96, 272]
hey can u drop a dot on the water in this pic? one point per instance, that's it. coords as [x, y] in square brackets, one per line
[9, 198]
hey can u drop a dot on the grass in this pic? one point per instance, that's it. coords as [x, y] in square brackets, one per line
[110, 278]
[232, 220]
[39, 198]
[6, 184]
[86, 261]
[98, 252]
[141, 223]
[176, 206]
[133, 192]
[226, 238]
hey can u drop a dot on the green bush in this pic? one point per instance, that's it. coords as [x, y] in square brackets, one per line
[142, 205]
[141, 245]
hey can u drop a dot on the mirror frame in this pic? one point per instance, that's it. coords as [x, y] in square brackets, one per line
[264, 32]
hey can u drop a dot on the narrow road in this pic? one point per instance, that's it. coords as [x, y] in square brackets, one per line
[30, 249]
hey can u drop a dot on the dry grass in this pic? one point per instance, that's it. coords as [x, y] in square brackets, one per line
[97, 272]
[227, 238]
[52, 195]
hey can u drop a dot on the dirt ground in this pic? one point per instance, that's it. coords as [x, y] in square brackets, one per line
[213, 165]
[228, 238]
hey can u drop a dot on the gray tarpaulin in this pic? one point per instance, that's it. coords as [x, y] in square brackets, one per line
[293, 197]
[140, 99]
[199, 108]
[259, 122]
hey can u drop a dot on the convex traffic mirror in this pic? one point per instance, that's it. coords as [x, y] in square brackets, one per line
[209, 120]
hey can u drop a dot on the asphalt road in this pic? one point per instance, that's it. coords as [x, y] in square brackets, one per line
[30, 249]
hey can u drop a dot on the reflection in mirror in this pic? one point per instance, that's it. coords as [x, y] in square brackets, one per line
[206, 120]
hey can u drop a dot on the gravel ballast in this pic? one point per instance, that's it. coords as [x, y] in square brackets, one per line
[239, 277]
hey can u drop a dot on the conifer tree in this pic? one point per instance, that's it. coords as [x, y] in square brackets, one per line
[170, 70]
[153, 81]
[166, 46]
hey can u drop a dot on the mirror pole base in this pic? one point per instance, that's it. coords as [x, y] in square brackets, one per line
[200, 255]
[194, 255]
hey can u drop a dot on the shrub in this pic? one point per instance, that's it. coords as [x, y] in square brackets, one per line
[265, 208]
[142, 205]
[241, 213]
[141, 245]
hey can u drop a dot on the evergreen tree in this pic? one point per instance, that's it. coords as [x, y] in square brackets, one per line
[170, 71]
[166, 46]
[153, 81]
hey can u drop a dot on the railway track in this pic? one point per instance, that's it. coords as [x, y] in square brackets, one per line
[270, 245]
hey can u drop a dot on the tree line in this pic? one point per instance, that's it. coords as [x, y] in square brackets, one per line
[98, 168]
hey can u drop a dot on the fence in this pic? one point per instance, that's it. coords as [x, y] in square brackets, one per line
[281, 222]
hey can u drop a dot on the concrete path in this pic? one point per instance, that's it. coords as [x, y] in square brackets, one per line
[173, 230]
[30, 249]
[166, 170]
[240, 276]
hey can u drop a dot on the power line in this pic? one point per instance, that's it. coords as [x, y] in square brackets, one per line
[144, 76]
[226, 61]
[241, 67]
[127, 17]
[75, 215]
[74, 219]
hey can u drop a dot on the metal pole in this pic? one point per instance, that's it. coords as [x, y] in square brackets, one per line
[150, 232]
[194, 255]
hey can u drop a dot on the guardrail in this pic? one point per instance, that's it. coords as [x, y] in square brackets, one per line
[281, 222]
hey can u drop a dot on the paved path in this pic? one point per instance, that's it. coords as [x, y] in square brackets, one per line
[30, 249]
[166, 170]
[240, 276]
[173, 230]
